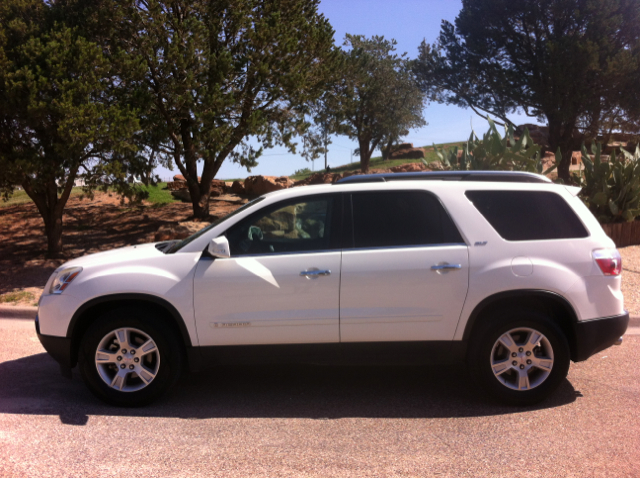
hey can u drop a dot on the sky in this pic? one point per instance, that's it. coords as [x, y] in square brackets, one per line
[408, 22]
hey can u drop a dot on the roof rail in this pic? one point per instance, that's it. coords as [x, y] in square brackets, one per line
[500, 176]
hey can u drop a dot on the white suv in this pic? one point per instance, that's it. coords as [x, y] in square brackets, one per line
[505, 271]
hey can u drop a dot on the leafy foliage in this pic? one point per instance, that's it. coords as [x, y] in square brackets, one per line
[611, 189]
[58, 117]
[378, 97]
[494, 152]
[571, 62]
[209, 74]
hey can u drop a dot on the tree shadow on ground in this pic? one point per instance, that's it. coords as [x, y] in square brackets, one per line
[33, 385]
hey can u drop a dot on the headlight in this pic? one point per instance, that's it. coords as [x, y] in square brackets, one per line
[63, 279]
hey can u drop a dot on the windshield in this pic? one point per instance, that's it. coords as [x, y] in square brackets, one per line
[180, 244]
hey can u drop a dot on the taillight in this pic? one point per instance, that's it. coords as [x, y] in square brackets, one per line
[609, 261]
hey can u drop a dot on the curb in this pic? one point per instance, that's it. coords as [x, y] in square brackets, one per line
[18, 312]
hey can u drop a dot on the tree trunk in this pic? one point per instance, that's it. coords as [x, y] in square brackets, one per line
[561, 136]
[365, 155]
[50, 210]
[563, 168]
[386, 151]
[53, 230]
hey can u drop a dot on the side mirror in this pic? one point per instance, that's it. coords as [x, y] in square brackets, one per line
[219, 247]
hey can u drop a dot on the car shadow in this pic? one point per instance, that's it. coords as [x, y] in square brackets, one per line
[33, 385]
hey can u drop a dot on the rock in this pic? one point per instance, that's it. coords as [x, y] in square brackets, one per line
[218, 188]
[179, 189]
[408, 167]
[406, 151]
[179, 230]
[576, 158]
[182, 178]
[177, 185]
[319, 178]
[237, 188]
[260, 185]
[182, 194]
[539, 134]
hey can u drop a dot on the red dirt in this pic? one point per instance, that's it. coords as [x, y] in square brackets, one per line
[90, 226]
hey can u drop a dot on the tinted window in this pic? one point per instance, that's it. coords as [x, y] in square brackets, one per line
[528, 215]
[400, 218]
[293, 226]
[179, 244]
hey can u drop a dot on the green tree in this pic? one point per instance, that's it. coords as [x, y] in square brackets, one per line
[210, 75]
[378, 96]
[58, 117]
[569, 62]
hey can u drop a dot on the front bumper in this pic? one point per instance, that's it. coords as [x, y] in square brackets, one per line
[594, 335]
[59, 348]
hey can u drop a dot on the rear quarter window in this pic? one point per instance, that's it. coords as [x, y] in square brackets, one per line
[528, 215]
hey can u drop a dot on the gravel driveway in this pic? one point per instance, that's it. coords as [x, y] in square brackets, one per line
[317, 421]
[631, 278]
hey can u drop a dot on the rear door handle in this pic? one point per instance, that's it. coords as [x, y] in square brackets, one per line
[438, 267]
[315, 273]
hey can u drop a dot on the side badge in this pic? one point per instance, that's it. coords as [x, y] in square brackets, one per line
[480, 243]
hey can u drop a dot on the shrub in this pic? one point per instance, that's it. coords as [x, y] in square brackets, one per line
[494, 152]
[611, 189]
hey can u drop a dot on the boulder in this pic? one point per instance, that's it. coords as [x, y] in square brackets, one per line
[177, 185]
[576, 158]
[539, 134]
[218, 188]
[406, 151]
[319, 178]
[179, 230]
[408, 167]
[182, 194]
[237, 188]
[260, 185]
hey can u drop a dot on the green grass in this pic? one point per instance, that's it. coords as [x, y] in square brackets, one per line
[378, 162]
[19, 197]
[16, 296]
[159, 194]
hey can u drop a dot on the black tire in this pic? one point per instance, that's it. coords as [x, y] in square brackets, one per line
[168, 354]
[519, 322]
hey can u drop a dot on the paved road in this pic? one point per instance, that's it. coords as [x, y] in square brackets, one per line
[317, 421]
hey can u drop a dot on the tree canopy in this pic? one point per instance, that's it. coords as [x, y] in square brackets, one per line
[213, 74]
[377, 96]
[58, 117]
[573, 63]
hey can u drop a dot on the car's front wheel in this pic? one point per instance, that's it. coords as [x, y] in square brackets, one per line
[520, 358]
[129, 358]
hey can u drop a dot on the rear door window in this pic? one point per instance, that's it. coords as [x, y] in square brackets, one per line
[528, 215]
[399, 218]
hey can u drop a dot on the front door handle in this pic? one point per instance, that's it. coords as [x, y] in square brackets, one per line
[315, 273]
[439, 267]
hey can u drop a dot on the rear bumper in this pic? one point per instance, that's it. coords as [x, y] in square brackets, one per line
[59, 348]
[594, 335]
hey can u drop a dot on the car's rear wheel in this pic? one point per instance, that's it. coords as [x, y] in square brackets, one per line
[520, 357]
[129, 358]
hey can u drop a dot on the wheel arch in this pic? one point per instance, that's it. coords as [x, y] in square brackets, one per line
[87, 313]
[548, 302]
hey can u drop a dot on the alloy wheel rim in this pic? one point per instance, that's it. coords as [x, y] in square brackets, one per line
[522, 359]
[127, 359]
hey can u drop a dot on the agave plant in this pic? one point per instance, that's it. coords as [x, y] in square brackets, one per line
[494, 152]
[611, 189]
